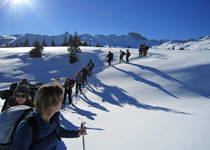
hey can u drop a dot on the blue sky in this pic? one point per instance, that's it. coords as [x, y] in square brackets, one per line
[154, 19]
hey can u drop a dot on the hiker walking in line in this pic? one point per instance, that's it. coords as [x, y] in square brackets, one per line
[78, 80]
[127, 55]
[140, 50]
[110, 57]
[68, 85]
[84, 72]
[122, 53]
[90, 66]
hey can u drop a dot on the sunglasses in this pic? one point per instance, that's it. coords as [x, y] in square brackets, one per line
[20, 96]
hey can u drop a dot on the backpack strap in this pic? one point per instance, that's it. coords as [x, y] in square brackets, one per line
[35, 130]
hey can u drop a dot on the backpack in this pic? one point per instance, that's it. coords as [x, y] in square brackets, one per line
[9, 120]
[5, 94]
[13, 86]
[72, 81]
[129, 54]
[111, 56]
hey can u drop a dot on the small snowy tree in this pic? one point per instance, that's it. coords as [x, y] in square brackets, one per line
[85, 43]
[70, 42]
[74, 48]
[26, 43]
[53, 43]
[98, 45]
[65, 43]
[173, 48]
[37, 50]
[76, 42]
[17, 44]
[72, 54]
[44, 43]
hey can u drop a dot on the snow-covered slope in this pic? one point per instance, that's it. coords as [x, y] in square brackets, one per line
[6, 39]
[201, 44]
[157, 102]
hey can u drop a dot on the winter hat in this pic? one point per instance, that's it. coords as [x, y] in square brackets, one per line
[22, 88]
[24, 81]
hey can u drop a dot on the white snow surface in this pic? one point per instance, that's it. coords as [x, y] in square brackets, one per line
[201, 44]
[159, 102]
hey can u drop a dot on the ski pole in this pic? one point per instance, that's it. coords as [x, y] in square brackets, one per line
[83, 136]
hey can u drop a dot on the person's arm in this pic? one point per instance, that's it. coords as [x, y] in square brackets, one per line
[22, 137]
[68, 133]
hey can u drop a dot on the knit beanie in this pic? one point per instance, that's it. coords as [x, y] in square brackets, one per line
[22, 88]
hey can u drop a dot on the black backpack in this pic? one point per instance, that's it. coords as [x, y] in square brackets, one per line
[13, 86]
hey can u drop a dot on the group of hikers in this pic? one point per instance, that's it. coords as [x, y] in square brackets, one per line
[30, 90]
[80, 80]
[110, 56]
[44, 131]
[39, 129]
[143, 50]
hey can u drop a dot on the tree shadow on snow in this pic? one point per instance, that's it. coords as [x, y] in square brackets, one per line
[82, 112]
[117, 96]
[143, 80]
[195, 87]
[93, 104]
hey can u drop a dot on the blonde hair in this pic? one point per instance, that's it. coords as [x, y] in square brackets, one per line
[48, 97]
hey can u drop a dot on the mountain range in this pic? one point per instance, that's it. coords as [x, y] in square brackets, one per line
[132, 39]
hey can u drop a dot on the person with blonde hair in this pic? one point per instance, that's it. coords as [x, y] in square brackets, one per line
[47, 103]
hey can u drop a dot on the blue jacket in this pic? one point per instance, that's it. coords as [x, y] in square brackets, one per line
[23, 135]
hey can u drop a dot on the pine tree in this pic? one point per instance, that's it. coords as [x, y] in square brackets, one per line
[37, 50]
[74, 47]
[70, 42]
[76, 42]
[173, 48]
[17, 44]
[26, 43]
[98, 45]
[53, 43]
[72, 54]
[44, 43]
[65, 43]
[7, 45]
[85, 43]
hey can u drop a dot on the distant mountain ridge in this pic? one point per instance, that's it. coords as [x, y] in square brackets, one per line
[132, 39]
